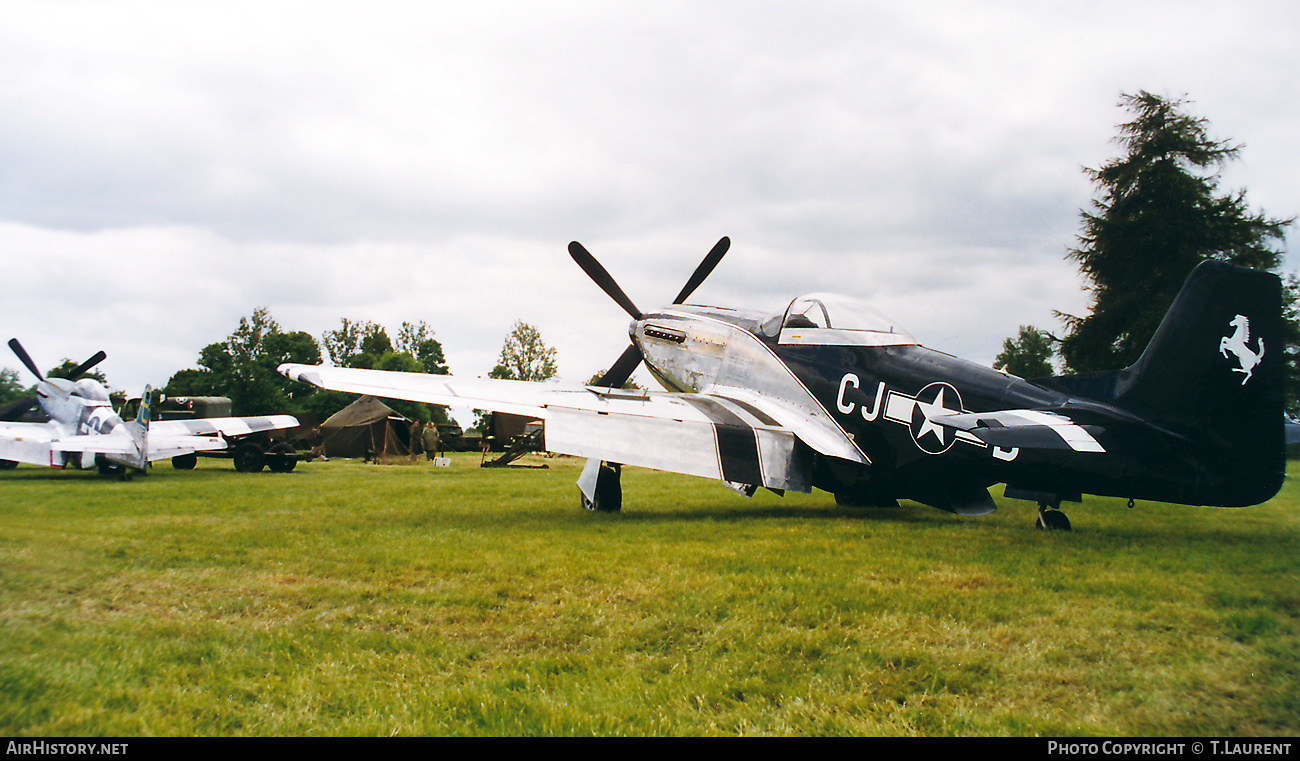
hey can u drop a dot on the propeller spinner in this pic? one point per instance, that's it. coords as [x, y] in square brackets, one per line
[631, 358]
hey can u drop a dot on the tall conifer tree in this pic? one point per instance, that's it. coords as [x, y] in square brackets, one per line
[1157, 215]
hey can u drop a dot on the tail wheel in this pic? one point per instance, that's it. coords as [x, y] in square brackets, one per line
[1052, 520]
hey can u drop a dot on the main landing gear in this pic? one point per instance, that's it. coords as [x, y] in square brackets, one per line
[1050, 518]
[107, 468]
[608, 494]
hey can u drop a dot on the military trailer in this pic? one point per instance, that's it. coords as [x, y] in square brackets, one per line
[250, 453]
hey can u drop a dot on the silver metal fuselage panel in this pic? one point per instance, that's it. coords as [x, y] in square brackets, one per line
[703, 350]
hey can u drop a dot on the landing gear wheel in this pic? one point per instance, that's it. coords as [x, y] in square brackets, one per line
[185, 461]
[1051, 520]
[249, 458]
[282, 458]
[609, 491]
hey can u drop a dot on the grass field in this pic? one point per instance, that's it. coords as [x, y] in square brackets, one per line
[352, 599]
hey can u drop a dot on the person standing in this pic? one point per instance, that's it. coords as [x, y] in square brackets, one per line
[432, 441]
[317, 445]
[417, 436]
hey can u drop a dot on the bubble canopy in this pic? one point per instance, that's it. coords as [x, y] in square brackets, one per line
[87, 388]
[833, 319]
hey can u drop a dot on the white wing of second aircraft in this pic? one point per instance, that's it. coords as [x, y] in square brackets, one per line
[728, 435]
[42, 443]
[226, 426]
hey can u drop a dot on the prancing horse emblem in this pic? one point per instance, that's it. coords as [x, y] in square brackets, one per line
[1236, 343]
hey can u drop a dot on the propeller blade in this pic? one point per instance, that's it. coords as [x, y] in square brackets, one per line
[617, 375]
[602, 278]
[706, 267]
[17, 409]
[84, 366]
[26, 360]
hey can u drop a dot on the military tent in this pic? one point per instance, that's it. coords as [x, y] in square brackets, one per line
[366, 428]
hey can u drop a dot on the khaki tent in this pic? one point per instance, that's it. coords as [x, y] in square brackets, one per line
[366, 428]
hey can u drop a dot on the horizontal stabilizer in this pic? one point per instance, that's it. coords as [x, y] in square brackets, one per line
[1025, 429]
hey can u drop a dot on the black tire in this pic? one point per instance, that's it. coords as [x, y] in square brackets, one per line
[1053, 520]
[8, 464]
[282, 458]
[185, 461]
[609, 492]
[249, 458]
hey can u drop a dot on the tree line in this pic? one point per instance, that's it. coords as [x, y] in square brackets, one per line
[244, 366]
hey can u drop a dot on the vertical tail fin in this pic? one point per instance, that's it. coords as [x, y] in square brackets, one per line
[1216, 363]
[138, 429]
[1214, 373]
[142, 416]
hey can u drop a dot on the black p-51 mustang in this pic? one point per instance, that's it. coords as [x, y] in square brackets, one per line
[831, 394]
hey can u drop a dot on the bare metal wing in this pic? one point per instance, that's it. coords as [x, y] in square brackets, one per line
[27, 442]
[727, 434]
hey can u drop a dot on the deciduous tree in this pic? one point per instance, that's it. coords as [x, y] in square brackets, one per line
[10, 388]
[525, 356]
[1029, 355]
[416, 339]
[243, 368]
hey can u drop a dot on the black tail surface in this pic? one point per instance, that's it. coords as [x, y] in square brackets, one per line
[1213, 374]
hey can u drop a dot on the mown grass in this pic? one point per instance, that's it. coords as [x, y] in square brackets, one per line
[351, 599]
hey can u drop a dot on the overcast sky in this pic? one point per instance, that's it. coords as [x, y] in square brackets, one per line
[166, 168]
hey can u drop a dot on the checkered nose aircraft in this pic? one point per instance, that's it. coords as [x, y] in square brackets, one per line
[832, 395]
[84, 431]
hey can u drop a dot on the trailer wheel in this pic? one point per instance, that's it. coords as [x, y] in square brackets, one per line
[282, 458]
[249, 458]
